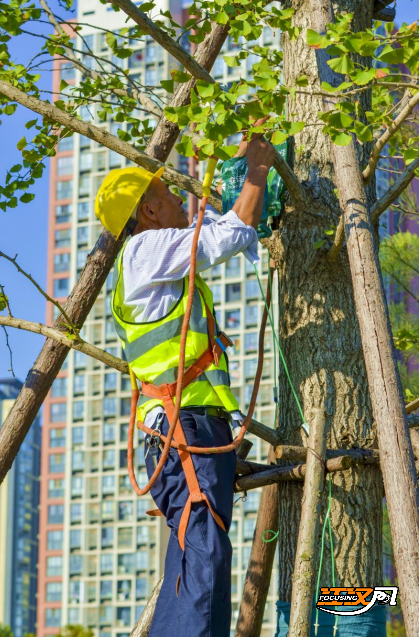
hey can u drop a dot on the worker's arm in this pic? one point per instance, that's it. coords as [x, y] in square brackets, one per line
[260, 158]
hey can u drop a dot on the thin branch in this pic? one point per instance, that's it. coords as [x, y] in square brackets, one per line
[38, 287]
[10, 350]
[381, 206]
[385, 137]
[394, 191]
[104, 138]
[164, 39]
[290, 179]
[135, 94]
[78, 344]
[401, 284]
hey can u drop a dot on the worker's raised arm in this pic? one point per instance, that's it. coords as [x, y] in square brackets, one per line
[260, 158]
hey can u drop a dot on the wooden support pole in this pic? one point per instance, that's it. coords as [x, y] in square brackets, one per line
[243, 449]
[306, 553]
[299, 454]
[258, 576]
[297, 472]
[266, 433]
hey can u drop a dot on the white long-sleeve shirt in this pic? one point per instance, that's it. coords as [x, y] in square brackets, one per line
[156, 261]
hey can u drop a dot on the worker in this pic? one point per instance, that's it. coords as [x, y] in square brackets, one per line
[149, 300]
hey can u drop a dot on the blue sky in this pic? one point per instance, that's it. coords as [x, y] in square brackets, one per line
[23, 230]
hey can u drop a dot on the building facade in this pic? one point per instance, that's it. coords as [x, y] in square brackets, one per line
[100, 555]
[19, 502]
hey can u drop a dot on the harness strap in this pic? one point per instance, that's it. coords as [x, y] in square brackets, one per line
[166, 392]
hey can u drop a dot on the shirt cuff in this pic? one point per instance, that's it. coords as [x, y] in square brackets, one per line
[251, 252]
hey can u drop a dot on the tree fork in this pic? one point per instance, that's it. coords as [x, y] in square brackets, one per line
[46, 367]
[380, 361]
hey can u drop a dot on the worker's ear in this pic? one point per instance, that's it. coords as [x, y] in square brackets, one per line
[146, 212]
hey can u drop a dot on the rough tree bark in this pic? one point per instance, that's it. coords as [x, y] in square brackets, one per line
[83, 295]
[320, 337]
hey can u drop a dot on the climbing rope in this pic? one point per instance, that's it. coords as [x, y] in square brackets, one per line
[168, 440]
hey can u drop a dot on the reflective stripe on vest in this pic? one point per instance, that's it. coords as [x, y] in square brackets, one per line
[152, 348]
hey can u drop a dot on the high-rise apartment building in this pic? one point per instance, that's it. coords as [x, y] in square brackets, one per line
[100, 555]
[19, 502]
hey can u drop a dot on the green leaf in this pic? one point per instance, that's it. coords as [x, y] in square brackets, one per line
[31, 123]
[22, 143]
[231, 60]
[168, 85]
[342, 65]
[279, 137]
[124, 135]
[392, 56]
[363, 132]
[27, 197]
[171, 114]
[340, 120]
[364, 77]
[205, 89]
[180, 76]
[185, 147]
[226, 152]
[221, 18]
[3, 301]
[334, 89]
[16, 168]
[243, 28]
[318, 244]
[339, 138]
[314, 39]
[63, 85]
[302, 80]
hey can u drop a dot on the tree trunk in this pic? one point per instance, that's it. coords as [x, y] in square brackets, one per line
[49, 362]
[321, 341]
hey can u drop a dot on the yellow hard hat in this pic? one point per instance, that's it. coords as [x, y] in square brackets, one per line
[119, 195]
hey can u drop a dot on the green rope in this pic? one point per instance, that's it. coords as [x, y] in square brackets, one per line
[274, 348]
[272, 539]
[280, 350]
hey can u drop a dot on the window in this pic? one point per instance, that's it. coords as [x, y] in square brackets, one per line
[151, 76]
[135, 60]
[55, 490]
[109, 459]
[234, 371]
[110, 382]
[233, 292]
[250, 366]
[63, 213]
[76, 486]
[106, 563]
[75, 539]
[107, 537]
[54, 566]
[252, 501]
[124, 538]
[108, 434]
[53, 617]
[108, 510]
[124, 589]
[106, 615]
[126, 511]
[77, 435]
[62, 262]
[217, 293]
[123, 432]
[109, 407]
[67, 71]
[252, 289]
[82, 235]
[58, 412]
[81, 258]
[125, 563]
[66, 143]
[73, 616]
[54, 591]
[251, 315]
[108, 485]
[64, 189]
[141, 587]
[115, 160]
[248, 528]
[123, 616]
[106, 590]
[75, 564]
[141, 560]
[62, 238]
[65, 165]
[61, 287]
[86, 161]
[232, 319]
[84, 185]
[57, 463]
[78, 410]
[233, 268]
[57, 437]
[55, 540]
[218, 67]
[75, 513]
[143, 535]
[83, 210]
[77, 460]
[79, 384]
[250, 342]
[80, 360]
[125, 406]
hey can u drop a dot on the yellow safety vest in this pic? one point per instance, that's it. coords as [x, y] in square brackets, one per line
[152, 348]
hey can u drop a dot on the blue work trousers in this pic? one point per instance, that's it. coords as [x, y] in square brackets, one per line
[195, 599]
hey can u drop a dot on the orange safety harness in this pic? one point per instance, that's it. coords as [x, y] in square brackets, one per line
[171, 394]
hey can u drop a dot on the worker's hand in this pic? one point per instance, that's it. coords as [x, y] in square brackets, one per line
[244, 143]
[260, 154]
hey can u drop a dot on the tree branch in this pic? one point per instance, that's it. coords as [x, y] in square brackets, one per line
[78, 344]
[164, 39]
[94, 75]
[385, 137]
[104, 138]
[44, 294]
[381, 206]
